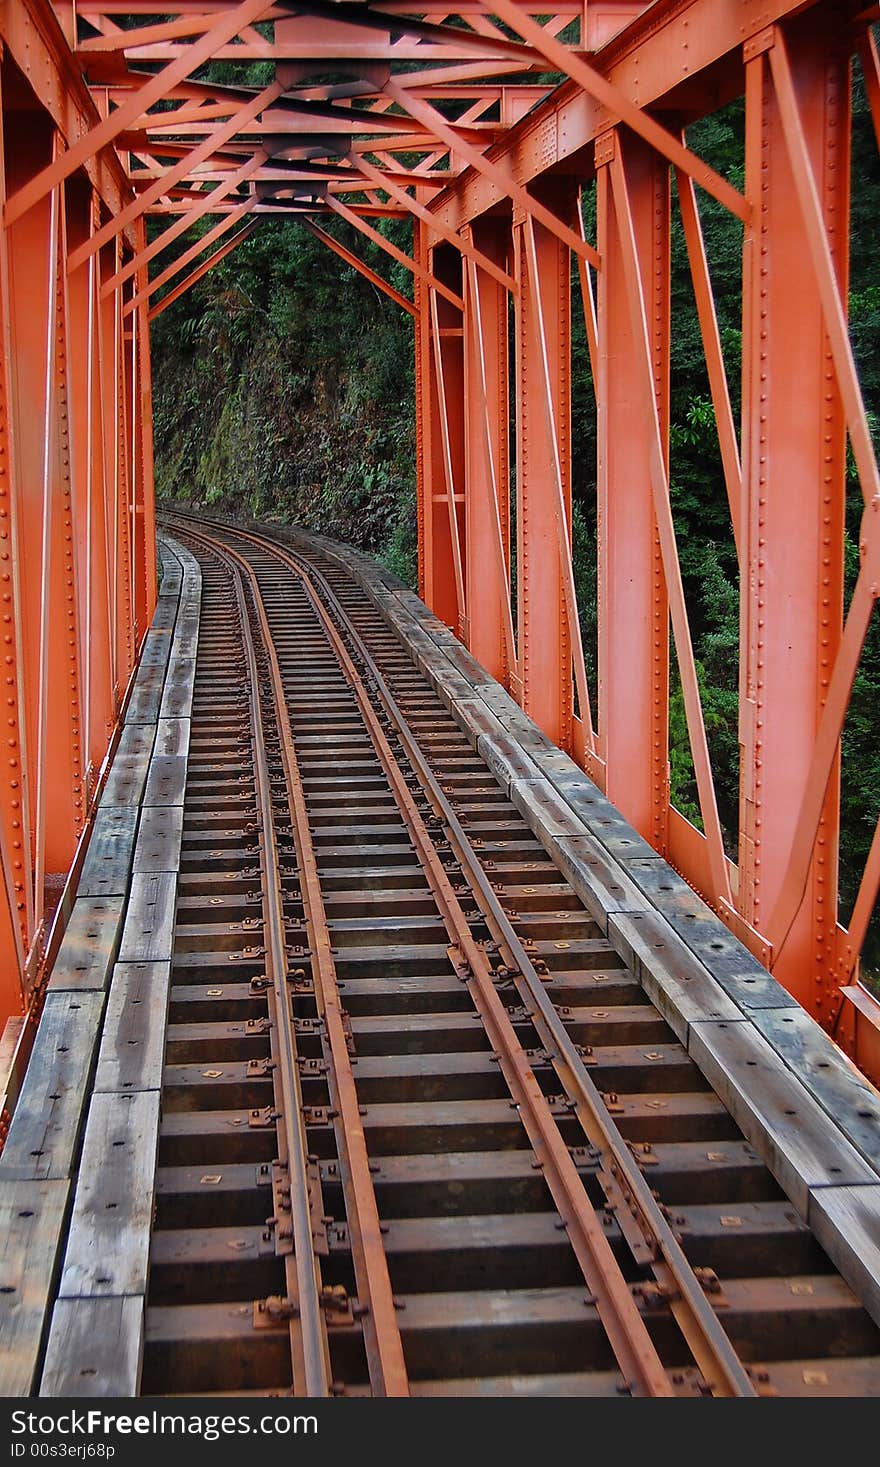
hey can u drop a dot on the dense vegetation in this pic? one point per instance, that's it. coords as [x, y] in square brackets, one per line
[283, 387]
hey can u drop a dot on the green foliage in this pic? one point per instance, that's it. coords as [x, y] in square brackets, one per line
[283, 387]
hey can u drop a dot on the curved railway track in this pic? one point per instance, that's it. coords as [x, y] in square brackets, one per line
[423, 1132]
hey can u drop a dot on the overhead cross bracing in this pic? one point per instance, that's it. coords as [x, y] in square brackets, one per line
[355, 104]
[483, 125]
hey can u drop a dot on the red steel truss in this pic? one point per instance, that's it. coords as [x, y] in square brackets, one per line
[77, 541]
[482, 123]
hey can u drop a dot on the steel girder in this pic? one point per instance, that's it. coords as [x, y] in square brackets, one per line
[77, 534]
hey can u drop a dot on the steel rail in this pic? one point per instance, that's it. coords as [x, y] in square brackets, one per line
[307, 1304]
[617, 1309]
[620, 1176]
[388, 1373]
[611, 1293]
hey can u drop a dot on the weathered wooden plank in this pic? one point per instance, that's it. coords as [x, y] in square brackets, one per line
[172, 736]
[107, 865]
[31, 1221]
[846, 1221]
[126, 780]
[600, 882]
[149, 922]
[450, 685]
[146, 696]
[731, 964]
[413, 604]
[167, 552]
[545, 811]
[501, 704]
[556, 765]
[852, 1103]
[459, 657]
[159, 838]
[603, 821]
[186, 557]
[155, 650]
[186, 635]
[166, 780]
[108, 1241]
[46, 1126]
[800, 1144]
[673, 978]
[474, 719]
[89, 945]
[135, 739]
[95, 1348]
[133, 1041]
[168, 597]
[505, 758]
[178, 693]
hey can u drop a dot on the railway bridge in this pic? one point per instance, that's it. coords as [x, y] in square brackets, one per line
[375, 1024]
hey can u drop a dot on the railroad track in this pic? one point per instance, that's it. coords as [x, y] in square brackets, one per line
[422, 1131]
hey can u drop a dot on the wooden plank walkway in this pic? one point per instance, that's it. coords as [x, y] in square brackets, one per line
[87, 1120]
[104, 1276]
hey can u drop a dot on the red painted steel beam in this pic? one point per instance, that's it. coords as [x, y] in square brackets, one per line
[359, 265]
[17, 899]
[99, 703]
[437, 581]
[34, 39]
[206, 205]
[142, 424]
[793, 505]
[201, 270]
[633, 607]
[418, 210]
[447, 342]
[416, 266]
[147, 288]
[511, 188]
[173, 175]
[152, 90]
[543, 446]
[660, 51]
[42, 399]
[620, 107]
[490, 631]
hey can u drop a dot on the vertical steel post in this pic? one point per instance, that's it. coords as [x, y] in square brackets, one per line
[144, 417]
[117, 417]
[437, 583]
[44, 368]
[104, 262]
[544, 635]
[128, 335]
[487, 469]
[633, 610]
[88, 460]
[16, 896]
[793, 501]
[447, 324]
